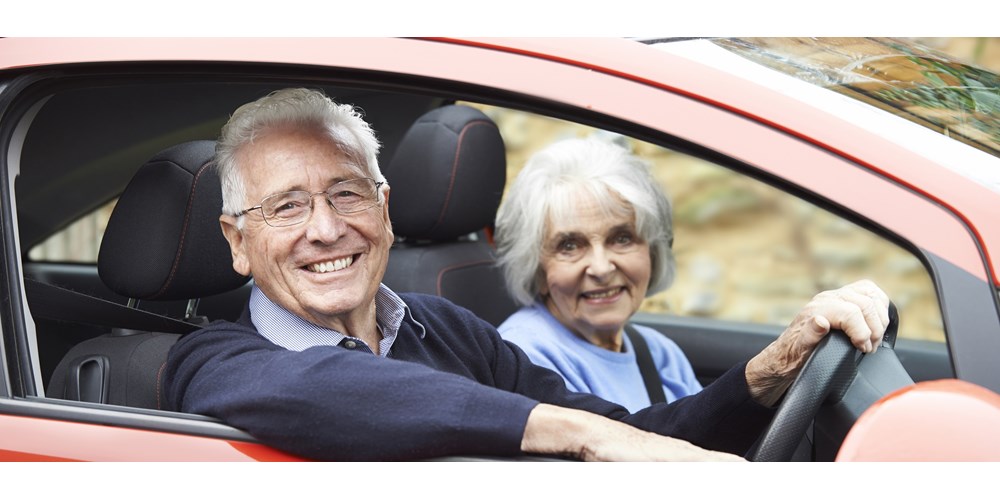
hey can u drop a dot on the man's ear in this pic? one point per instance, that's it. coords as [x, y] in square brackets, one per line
[385, 210]
[234, 236]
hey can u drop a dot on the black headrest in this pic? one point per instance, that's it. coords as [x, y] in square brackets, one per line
[163, 241]
[447, 175]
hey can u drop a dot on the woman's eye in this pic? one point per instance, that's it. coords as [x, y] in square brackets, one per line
[623, 239]
[568, 246]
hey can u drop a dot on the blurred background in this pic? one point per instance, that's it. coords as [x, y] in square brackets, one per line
[983, 52]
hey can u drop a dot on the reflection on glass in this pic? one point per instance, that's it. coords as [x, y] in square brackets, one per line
[921, 85]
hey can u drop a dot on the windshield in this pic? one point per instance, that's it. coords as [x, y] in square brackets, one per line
[920, 85]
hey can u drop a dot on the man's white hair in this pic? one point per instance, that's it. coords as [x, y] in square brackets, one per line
[293, 107]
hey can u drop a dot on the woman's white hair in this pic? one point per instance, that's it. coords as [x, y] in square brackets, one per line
[293, 107]
[548, 187]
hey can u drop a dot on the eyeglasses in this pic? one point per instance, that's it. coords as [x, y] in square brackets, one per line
[294, 207]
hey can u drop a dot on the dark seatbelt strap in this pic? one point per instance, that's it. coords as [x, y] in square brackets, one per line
[650, 376]
[57, 303]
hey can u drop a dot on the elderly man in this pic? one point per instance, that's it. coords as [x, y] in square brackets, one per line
[328, 363]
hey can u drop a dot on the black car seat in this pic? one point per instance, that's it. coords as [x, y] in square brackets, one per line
[162, 243]
[447, 177]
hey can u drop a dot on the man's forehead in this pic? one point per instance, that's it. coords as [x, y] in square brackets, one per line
[275, 164]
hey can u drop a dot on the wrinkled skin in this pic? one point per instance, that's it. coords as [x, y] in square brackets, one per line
[302, 267]
[860, 309]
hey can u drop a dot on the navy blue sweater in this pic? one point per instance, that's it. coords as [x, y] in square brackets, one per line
[459, 390]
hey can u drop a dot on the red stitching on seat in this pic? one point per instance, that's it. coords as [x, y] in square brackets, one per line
[159, 374]
[454, 168]
[184, 229]
[457, 266]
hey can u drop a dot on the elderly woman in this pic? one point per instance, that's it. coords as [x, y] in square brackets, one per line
[584, 236]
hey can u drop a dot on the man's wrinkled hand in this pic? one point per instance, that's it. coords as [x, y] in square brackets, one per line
[860, 310]
[553, 430]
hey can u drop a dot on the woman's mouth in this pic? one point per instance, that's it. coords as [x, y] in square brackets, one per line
[331, 265]
[602, 294]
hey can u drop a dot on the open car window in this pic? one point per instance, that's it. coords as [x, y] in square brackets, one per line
[80, 242]
[746, 252]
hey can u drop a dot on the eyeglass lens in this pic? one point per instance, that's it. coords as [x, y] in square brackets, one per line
[293, 207]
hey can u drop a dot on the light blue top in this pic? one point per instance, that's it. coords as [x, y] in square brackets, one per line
[586, 367]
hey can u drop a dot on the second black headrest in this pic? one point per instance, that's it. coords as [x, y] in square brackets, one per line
[163, 241]
[447, 175]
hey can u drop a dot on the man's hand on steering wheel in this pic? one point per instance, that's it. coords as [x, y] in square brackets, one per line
[860, 309]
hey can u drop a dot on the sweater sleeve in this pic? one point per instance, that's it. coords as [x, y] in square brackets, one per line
[721, 417]
[461, 390]
[330, 403]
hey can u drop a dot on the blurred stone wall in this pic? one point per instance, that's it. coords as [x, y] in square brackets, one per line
[746, 251]
[983, 52]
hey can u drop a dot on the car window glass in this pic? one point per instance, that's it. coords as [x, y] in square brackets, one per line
[746, 251]
[78, 242]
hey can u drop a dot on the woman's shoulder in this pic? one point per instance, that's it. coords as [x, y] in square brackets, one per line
[527, 321]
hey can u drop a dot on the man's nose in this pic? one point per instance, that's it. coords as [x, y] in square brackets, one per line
[601, 263]
[324, 224]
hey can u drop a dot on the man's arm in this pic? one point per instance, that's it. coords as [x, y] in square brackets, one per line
[554, 430]
[730, 413]
[860, 310]
[329, 403]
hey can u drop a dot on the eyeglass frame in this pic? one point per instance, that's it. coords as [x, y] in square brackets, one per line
[260, 206]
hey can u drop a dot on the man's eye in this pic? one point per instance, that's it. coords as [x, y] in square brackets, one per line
[346, 194]
[288, 206]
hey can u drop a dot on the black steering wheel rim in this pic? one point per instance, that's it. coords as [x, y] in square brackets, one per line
[827, 374]
[830, 369]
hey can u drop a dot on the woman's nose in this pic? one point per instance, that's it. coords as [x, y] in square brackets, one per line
[601, 264]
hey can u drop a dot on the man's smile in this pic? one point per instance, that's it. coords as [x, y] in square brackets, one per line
[331, 265]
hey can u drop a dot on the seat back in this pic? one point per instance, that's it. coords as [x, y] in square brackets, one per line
[162, 243]
[447, 177]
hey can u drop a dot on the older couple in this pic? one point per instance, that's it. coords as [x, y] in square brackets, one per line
[328, 363]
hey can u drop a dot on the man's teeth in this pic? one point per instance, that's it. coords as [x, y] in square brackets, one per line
[329, 266]
[601, 295]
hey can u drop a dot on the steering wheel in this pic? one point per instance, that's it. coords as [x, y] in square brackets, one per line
[826, 375]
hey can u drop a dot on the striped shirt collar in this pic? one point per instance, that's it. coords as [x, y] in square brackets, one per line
[286, 329]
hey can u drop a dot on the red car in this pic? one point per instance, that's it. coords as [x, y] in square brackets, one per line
[794, 165]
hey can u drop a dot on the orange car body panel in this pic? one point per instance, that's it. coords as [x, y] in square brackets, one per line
[27, 439]
[936, 421]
